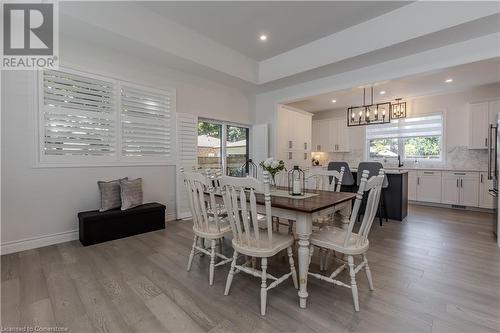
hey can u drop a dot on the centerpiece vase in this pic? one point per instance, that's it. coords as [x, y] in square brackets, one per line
[272, 183]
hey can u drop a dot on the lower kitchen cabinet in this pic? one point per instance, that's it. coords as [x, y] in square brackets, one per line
[460, 188]
[428, 186]
[412, 185]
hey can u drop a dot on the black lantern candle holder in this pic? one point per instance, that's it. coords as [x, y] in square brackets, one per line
[296, 181]
[249, 169]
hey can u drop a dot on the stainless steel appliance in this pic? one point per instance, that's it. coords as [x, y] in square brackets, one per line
[493, 162]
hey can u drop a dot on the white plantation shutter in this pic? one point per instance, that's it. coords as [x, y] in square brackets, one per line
[187, 155]
[77, 116]
[146, 121]
[427, 125]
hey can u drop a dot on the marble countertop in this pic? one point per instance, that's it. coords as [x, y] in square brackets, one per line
[387, 171]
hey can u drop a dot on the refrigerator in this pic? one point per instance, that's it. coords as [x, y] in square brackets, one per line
[493, 162]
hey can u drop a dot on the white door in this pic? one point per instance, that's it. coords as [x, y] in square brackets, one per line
[485, 198]
[259, 143]
[315, 135]
[325, 135]
[493, 110]
[187, 155]
[469, 191]
[412, 186]
[429, 187]
[343, 137]
[478, 125]
[451, 189]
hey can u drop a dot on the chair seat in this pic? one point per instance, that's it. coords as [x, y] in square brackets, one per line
[333, 238]
[213, 232]
[279, 243]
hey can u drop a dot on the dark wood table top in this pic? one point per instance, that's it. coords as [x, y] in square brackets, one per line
[323, 200]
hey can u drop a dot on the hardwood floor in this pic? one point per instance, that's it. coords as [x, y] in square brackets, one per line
[437, 272]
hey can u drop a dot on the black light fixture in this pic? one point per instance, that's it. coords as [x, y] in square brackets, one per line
[398, 109]
[370, 114]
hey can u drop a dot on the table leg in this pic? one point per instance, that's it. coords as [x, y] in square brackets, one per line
[303, 229]
[345, 214]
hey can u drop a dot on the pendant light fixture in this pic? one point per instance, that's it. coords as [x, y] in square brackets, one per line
[398, 109]
[370, 114]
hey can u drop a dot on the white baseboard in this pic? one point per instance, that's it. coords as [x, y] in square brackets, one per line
[34, 242]
[170, 217]
[440, 205]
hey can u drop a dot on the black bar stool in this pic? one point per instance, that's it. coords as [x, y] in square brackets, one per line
[373, 168]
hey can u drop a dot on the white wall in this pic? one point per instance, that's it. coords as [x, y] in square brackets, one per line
[40, 205]
[456, 109]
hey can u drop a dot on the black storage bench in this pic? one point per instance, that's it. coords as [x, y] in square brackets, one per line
[97, 227]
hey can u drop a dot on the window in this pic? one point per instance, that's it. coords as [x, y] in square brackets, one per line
[90, 119]
[415, 138]
[223, 146]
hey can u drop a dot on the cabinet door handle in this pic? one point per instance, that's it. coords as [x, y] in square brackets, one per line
[319, 147]
[486, 142]
[290, 144]
[289, 155]
[305, 145]
[481, 177]
[305, 156]
[461, 183]
[457, 182]
[418, 180]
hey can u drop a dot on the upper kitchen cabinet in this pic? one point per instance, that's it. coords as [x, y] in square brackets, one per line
[481, 115]
[330, 135]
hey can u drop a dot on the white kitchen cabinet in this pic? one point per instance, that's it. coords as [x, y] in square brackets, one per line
[460, 188]
[412, 185]
[429, 186]
[330, 135]
[450, 189]
[486, 200]
[293, 137]
[481, 115]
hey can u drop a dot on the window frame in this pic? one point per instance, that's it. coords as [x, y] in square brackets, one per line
[401, 148]
[68, 161]
[224, 125]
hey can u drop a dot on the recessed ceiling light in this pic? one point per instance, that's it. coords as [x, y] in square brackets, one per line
[382, 92]
[263, 37]
[448, 80]
[334, 101]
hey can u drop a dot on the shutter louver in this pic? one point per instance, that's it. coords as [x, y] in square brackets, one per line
[146, 123]
[78, 115]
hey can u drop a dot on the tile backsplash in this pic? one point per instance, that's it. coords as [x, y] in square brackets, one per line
[457, 157]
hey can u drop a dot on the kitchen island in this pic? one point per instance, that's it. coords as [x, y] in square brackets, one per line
[395, 195]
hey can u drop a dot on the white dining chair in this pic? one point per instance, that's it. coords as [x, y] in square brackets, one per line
[207, 224]
[349, 243]
[248, 239]
[325, 180]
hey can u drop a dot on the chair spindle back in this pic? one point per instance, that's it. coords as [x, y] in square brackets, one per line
[374, 187]
[320, 179]
[198, 188]
[240, 201]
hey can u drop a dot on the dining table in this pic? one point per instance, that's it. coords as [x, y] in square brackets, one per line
[304, 210]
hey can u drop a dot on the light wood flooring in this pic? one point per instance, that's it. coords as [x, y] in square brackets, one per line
[437, 272]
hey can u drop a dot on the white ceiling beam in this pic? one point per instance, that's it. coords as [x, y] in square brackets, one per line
[405, 23]
[146, 27]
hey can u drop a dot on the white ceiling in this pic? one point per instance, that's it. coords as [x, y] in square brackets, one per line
[464, 77]
[287, 24]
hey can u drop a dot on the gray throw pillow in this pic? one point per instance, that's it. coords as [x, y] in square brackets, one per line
[110, 194]
[131, 192]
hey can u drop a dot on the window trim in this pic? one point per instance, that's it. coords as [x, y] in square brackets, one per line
[41, 160]
[441, 160]
[224, 125]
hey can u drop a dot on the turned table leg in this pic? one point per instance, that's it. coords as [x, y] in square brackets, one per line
[303, 228]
